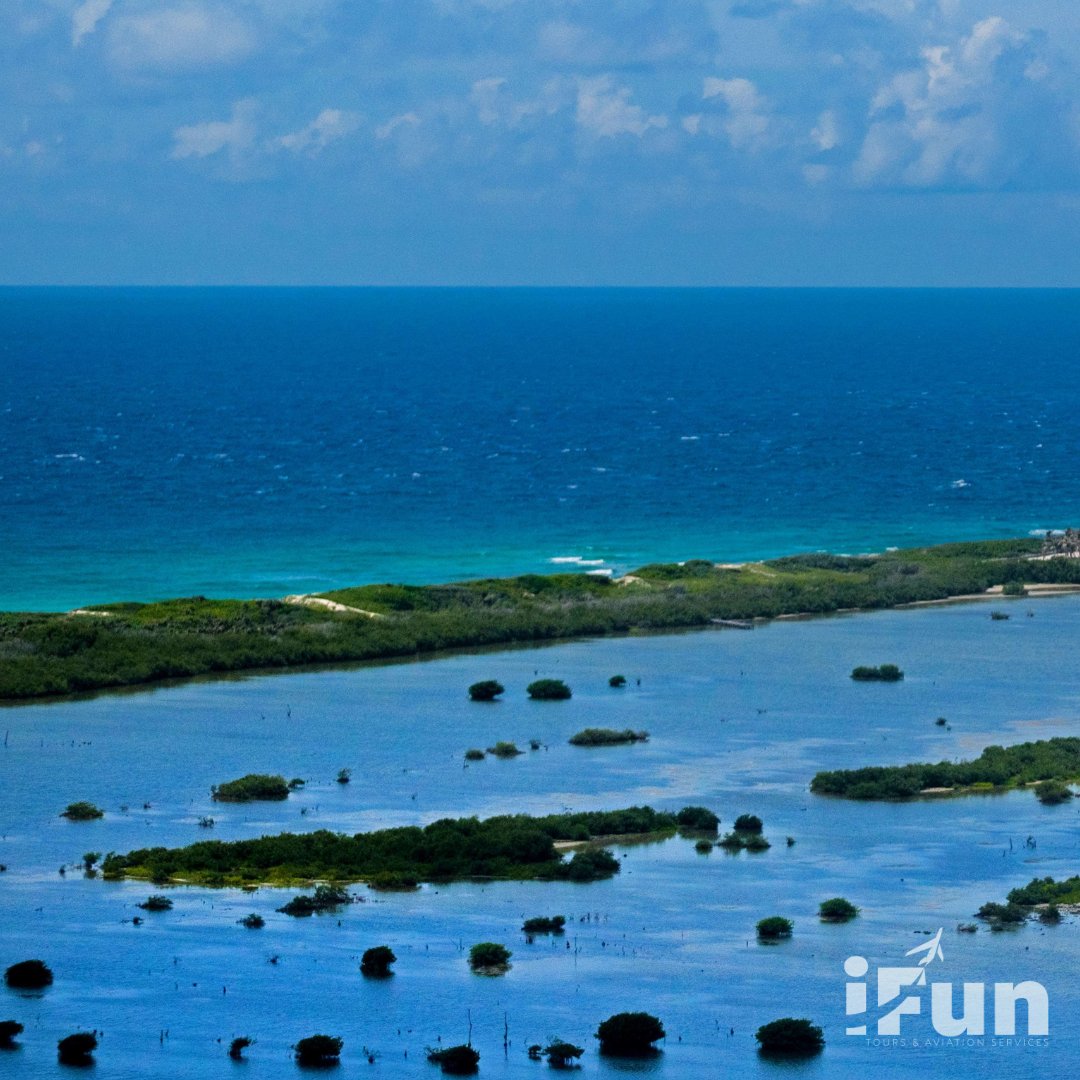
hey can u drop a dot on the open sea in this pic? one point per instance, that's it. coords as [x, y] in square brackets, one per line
[161, 442]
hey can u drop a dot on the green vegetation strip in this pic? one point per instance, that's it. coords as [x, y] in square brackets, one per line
[513, 847]
[997, 768]
[131, 643]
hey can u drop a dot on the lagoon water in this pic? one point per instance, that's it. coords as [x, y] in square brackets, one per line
[241, 442]
[740, 721]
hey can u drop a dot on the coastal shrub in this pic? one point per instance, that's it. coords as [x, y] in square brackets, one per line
[1010, 913]
[1050, 914]
[504, 750]
[593, 865]
[377, 960]
[474, 754]
[616, 681]
[541, 924]
[28, 975]
[156, 903]
[774, 928]
[89, 859]
[629, 1034]
[319, 1050]
[487, 690]
[1046, 891]
[392, 881]
[253, 921]
[8, 1030]
[1052, 792]
[254, 786]
[748, 823]
[77, 1049]
[697, 819]
[82, 811]
[790, 1037]
[48, 654]
[455, 1060]
[837, 910]
[325, 898]
[238, 1046]
[548, 690]
[882, 673]
[561, 1055]
[607, 737]
[489, 956]
[1013, 588]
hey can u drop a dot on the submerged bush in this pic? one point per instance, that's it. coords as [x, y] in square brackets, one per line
[8, 1030]
[616, 681]
[554, 924]
[254, 786]
[455, 1060]
[629, 1033]
[1010, 914]
[156, 903]
[607, 737]
[28, 975]
[792, 1037]
[238, 1046]
[592, 865]
[1052, 792]
[748, 823]
[548, 690]
[697, 819]
[325, 898]
[561, 1055]
[474, 754]
[504, 750]
[487, 690]
[837, 910]
[489, 956]
[882, 673]
[703, 847]
[77, 1049]
[252, 921]
[774, 928]
[319, 1050]
[377, 960]
[82, 811]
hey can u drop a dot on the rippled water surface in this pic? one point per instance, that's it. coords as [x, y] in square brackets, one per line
[740, 721]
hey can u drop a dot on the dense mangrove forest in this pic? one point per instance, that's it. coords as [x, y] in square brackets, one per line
[123, 644]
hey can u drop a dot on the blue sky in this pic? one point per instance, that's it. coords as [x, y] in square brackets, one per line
[879, 142]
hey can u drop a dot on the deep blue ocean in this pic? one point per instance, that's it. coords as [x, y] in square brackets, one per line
[159, 442]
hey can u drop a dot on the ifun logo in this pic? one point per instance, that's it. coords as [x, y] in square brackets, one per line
[903, 990]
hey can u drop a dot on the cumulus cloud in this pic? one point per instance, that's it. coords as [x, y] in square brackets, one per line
[236, 136]
[329, 126]
[942, 122]
[85, 17]
[605, 111]
[180, 38]
[745, 118]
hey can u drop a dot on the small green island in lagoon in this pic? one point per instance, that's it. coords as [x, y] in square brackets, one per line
[512, 847]
[127, 644]
[1045, 765]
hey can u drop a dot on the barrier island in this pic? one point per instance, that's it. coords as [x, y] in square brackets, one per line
[127, 644]
[511, 847]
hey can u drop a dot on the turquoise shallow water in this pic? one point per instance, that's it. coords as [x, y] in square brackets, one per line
[261, 442]
[740, 722]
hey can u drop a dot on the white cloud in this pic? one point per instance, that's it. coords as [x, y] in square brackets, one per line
[486, 95]
[826, 135]
[235, 135]
[746, 121]
[404, 121]
[940, 122]
[329, 126]
[605, 111]
[190, 36]
[85, 17]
